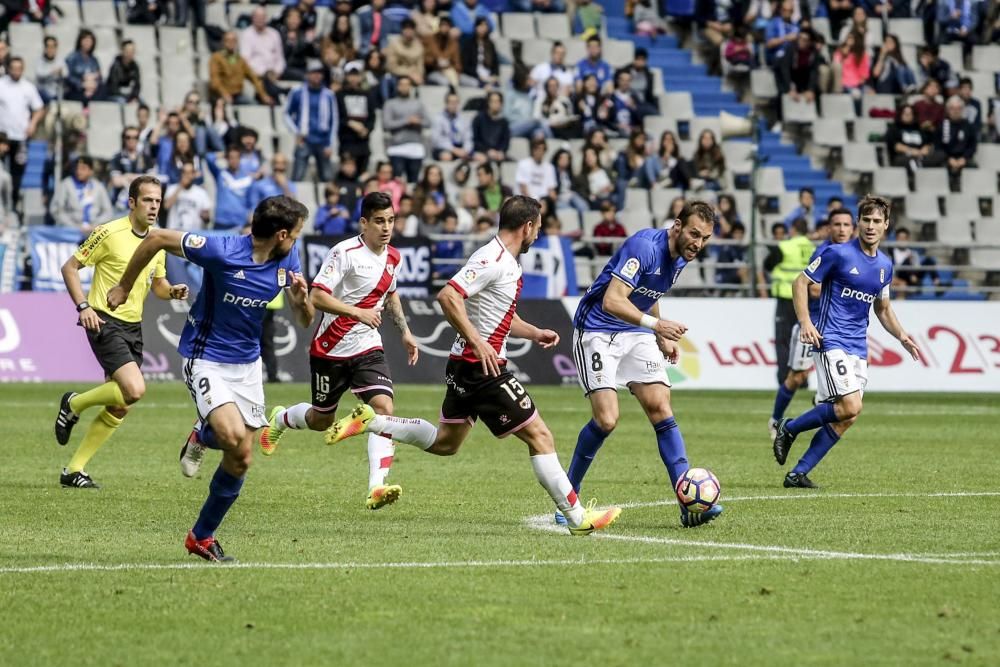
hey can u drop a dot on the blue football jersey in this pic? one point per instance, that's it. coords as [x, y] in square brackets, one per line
[851, 282]
[225, 322]
[644, 262]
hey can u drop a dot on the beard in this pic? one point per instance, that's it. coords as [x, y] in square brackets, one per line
[279, 253]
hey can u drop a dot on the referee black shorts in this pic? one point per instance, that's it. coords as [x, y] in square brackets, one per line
[116, 343]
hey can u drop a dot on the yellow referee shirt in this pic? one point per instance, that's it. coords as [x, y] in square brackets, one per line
[108, 249]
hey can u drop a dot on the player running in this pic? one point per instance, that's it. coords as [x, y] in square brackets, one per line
[220, 343]
[853, 276]
[480, 303]
[116, 341]
[621, 341]
[841, 223]
[357, 280]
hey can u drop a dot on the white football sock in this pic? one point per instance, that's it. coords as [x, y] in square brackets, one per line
[380, 453]
[416, 432]
[294, 417]
[553, 478]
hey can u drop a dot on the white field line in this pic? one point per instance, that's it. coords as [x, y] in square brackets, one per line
[818, 495]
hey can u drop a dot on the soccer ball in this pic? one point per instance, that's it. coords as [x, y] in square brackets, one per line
[698, 490]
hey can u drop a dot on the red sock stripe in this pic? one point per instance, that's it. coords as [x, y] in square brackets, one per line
[571, 498]
[385, 462]
[284, 418]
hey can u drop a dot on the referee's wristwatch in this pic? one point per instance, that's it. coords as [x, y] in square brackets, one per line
[82, 306]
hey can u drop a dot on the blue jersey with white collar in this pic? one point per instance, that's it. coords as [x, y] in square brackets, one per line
[225, 323]
[644, 263]
[851, 281]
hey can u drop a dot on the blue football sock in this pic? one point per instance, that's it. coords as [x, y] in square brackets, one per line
[587, 443]
[222, 493]
[822, 442]
[671, 445]
[206, 436]
[824, 413]
[781, 401]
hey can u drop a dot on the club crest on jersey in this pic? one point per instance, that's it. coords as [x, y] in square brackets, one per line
[881, 275]
[815, 265]
[631, 268]
[282, 278]
[526, 402]
[328, 269]
[469, 275]
[194, 241]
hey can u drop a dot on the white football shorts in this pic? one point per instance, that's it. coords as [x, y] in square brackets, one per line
[799, 353]
[212, 384]
[613, 360]
[839, 374]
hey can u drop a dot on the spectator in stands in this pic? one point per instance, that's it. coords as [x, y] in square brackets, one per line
[598, 138]
[838, 11]
[425, 17]
[144, 12]
[642, 83]
[519, 108]
[311, 113]
[227, 72]
[958, 22]
[796, 73]
[566, 197]
[431, 191]
[332, 218]
[183, 152]
[608, 227]
[405, 54]
[407, 223]
[451, 135]
[556, 67]
[128, 164]
[906, 262]
[261, 47]
[732, 254]
[492, 193]
[188, 209]
[251, 159]
[728, 216]
[588, 18]
[859, 24]
[442, 58]
[630, 166]
[666, 168]
[357, 105]
[206, 139]
[591, 108]
[468, 210]
[779, 232]
[451, 251]
[372, 27]
[124, 79]
[232, 182]
[142, 121]
[21, 110]
[83, 71]
[342, 42]
[594, 182]
[404, 118]
[375, 76]
[931, 66]
[535, 177]
[49, 71]
[854, 64]
[738, 51]
[464, 14]
[308, 18]
[275, 184]
[347, 181]
[7, 215]
[298, 44]
[890, 74]
[625, 112]
[973, 109]
[929, 110]
[543, 6]
[490, 131]
[805, 210]
[780, 32]
[594, 65]
[80, 200]
[555, 112]
[719, 27]
[480, 63]
[908, 144]
[708, 164]
[161, 140]
[956, 140]
[386, 181]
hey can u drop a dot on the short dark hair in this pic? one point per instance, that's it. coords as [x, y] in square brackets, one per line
[776, 226]
[840, 211]
[802, 191]
[497, 93]
[555, 44]
[448, 212]
[84, 32]
[641, 52]
[965, 80]
[593, 38]
[126, 42]
[487, 167]
[85, 159]
[233, 147]
[697, 209]
[276, 213]
[872, 203]
[139, 181]
[375, 201]
[903, 230]
[801, 226]
[49, 38]
[14, 59]
[518, 211]
[407, 23]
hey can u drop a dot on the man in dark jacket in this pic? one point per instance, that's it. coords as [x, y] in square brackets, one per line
[956, 139]
[491, 131]
[123, 79]
[797, 70]
[357, 116]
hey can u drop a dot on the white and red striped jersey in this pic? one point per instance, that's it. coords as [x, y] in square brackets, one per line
[491, 284]
[357, 276]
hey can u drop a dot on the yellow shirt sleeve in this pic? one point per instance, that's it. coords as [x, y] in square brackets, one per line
[94, 248]
[160, 270]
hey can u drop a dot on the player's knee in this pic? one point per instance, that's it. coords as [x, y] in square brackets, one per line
[133, 391]
[606, 421]
[118, 411]
[849, 408]
[239, 462]
[230, 436]
[383, 407]
[320, 421]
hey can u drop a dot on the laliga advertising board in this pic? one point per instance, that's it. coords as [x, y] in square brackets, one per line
[730, 345]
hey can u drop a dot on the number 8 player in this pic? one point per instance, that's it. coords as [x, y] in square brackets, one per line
[854, 276]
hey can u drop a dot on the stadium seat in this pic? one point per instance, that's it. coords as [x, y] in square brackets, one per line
[986, 58]
[176, 40]
[553, 26]
[959, 207]
[979, 182]
[618, 52]
[700, 123]
[257, 116]
[661, 199]
[467, 94]
[144, 37]
[860, 157]
[576, 50]
[829, 132]
[655, 126]
[676, 105]
[821, 25]
[870, 129]
[636, 200]
[215, 14]
[762, 84]
[910, 31]
[876, 101]
[954, 229]
[891, 182]
[70, 11]
[635, 221]
[799, 111]
[24, 36]
[950, 53]
[104, 134]
[922, 207]
[875, 30]
[988, 232]
[149, 89]
[737, 152]
[99, 13]
[932, 180]
[520, 148]
[518, 25]
[837, 105]
[306, 193]
[590, 220]
[585, 269]
[536, 50]
[770, 181]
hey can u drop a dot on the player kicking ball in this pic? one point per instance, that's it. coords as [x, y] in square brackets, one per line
[357, 280]
[621, 341]
[480, 302]
[220, 343]
[853, 276]
[841, 222]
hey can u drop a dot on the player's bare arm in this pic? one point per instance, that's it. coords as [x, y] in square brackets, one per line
[453, 306]
[887, 316]
[547, 338]
[298, 298]
[325, 302]
[670, 349]
[800, 299]
[162, 288]
[157, 240]
[394, 309]
[616, 303]
[89, 318]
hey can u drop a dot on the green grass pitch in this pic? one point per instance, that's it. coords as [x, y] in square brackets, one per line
[896, 561]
